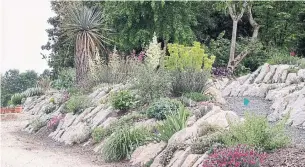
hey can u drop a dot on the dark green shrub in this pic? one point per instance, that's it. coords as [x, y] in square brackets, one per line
[158, 109]
[123, 100]
[66, 79]
[197, 96]
[77, 104]
[283, 57]
[188, 81]
[151, 84]
[256, 131]
[123, 142]
[173, 123]
[16, 98]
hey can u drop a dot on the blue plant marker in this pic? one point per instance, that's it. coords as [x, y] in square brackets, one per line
[246, 101]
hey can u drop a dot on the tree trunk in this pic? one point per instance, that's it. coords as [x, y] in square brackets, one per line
[233, 45]
[81, 60]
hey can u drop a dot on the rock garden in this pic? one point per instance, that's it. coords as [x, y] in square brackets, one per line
[188, 95]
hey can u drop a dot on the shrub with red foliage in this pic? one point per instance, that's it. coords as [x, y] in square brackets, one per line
[239, 156]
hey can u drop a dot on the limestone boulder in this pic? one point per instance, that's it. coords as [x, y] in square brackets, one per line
[199, 162]
[301, 74]
[252, 76]
[100, 117]
[265, 69]
[108, 122]
[277, 77]
[76, 134]
[227, 90]
[143, 154]
[190, 160]
[292, 78]
[269, 75]
[179, 157]
[68, 120]
[216, 94]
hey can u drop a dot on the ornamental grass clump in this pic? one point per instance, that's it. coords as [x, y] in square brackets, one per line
[239, 156]
[123, 142]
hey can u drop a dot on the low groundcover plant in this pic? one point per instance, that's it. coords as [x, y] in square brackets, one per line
[238, 156]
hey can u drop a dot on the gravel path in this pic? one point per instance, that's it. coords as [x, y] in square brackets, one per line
[262, 107]
[20, 149]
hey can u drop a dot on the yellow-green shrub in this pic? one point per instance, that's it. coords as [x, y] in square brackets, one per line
[184, 57]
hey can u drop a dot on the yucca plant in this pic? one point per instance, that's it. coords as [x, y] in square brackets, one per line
[86, 28]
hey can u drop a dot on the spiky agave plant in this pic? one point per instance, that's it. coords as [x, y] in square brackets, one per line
[86, 27]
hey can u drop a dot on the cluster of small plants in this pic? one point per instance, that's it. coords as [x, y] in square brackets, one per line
[123, 100]
[256, 131]
[238, 156]
[195, 96]
[160, 108]
[77, 104]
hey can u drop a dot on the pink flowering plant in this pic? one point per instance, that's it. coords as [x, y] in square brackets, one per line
[238, 156]
[53, 122]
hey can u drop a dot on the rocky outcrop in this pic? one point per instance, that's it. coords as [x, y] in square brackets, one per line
[143, 154]
[285, 88]
[216, 117]
[73, 128]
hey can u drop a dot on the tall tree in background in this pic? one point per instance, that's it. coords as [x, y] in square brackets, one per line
[85, 27]
[14, 82]
[136, 22]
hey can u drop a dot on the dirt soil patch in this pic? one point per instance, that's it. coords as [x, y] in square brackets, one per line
[286, 157]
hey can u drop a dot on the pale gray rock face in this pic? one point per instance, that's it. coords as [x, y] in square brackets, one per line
[252, 76]
[100, 117]
[284, 76]
[301, 74]
[216, 94]
[179, 157]
[269, 75]
[292, 78]
[265, 69]
[199, 162]
[278, 73]
[143, 154]
[76, 134]
[108, 122]
[190, 160]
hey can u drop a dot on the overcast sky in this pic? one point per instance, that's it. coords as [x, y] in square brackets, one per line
[23, 25]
